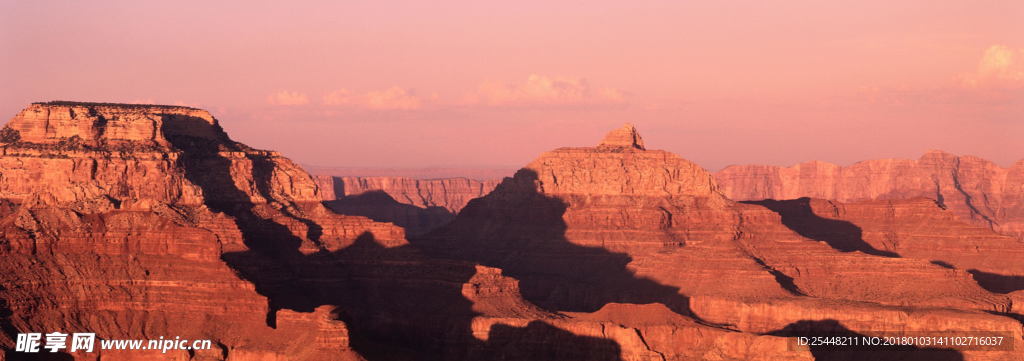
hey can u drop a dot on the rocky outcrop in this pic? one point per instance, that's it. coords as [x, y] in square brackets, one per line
[976, 190]
[623, 138]
[98, 124]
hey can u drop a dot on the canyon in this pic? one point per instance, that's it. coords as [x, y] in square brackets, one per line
[418, 205]
[139, 221]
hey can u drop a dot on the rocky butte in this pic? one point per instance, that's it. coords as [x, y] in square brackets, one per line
[140, 221]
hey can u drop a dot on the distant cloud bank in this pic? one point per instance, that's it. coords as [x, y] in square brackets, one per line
[287, 98]
[1000, 67]
[535, 91]
[393, 98]
[545, 91]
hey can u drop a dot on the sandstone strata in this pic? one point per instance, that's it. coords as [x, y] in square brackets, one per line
[168, 227]
[173, 229]
[976, 190]
[582, 228]
[115, 223]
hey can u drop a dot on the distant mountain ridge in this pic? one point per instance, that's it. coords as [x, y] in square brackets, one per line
[417, 173]
[976, 190]
[418, 205]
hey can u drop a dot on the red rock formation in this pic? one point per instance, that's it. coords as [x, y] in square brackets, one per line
[916, 228]
[108, 228]
[110, 124]
[606, 253]
[975, 189]
[582, 228]
[145, 236]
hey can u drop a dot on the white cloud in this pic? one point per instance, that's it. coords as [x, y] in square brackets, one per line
[1000, 67]
[996, 80]
[394, 98]
[545, 90]
[285, 97]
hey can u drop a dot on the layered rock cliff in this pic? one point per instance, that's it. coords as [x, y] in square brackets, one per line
[976, 190]
[582, 228]
[164, 226]
[118, 218]
[137, 222]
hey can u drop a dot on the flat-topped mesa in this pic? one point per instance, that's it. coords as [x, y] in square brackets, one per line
[625, 137]
[621, 165]
[137, 156]
[98, 124]
[132, 214]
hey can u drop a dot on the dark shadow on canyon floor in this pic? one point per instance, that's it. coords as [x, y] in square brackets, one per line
[397, 302]
[843, 236]
[992, 282]
[381, 207]
[832, 328]
[521, 231]
[1015, 316]
[997, 283]
[942, 264]
[6, 327]
[785, 281]
[207, 168]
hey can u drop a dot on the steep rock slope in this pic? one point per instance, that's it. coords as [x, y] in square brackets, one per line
[116, 219]
[913, 228]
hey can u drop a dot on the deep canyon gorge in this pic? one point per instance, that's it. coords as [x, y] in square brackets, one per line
[138, 221]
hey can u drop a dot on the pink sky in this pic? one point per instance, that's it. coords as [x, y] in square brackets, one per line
[483, 84]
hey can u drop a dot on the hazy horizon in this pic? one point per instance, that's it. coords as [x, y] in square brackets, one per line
[473, 85]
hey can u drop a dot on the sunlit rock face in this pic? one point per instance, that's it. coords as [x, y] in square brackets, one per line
[116, 220]
[974, 189]
[582, 228]
[140, 221]
[166, 226]
[104, 124]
